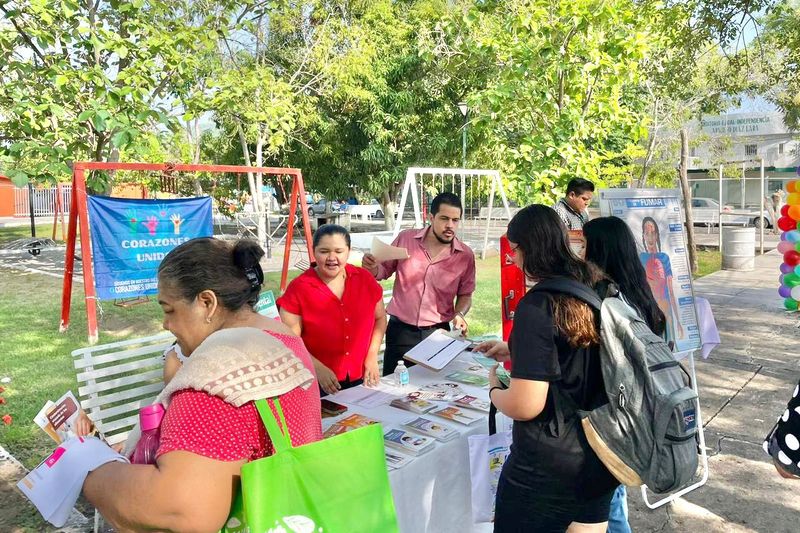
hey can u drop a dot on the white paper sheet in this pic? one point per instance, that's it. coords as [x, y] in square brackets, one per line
[387, 252]
[53, 487]
[437, 350]
[364, 397]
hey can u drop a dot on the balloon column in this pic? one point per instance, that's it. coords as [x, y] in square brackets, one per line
[789, 223]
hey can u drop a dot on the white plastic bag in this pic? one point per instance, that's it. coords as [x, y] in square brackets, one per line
[487, 454]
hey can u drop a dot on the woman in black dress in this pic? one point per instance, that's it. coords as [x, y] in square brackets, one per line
[552, 480]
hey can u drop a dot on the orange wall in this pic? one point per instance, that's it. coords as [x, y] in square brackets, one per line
[128, 190]
[6, 197]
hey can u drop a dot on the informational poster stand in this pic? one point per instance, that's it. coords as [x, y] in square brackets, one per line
[656, 219]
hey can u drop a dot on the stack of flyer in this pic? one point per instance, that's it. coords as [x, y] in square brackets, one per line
[413, 403]
[407, 442]
[395, 460]
[471, 402]
[469, 378]
[466, 417]
[429, 428]
[350, 423]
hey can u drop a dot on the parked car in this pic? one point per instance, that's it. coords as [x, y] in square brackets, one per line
[325, 206]
[706, 211]
[319, 207]
[370, 210]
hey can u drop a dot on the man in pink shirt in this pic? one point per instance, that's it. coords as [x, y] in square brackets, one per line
[433, 286]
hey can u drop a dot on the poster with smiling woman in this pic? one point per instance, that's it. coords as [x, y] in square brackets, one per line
[656, 219]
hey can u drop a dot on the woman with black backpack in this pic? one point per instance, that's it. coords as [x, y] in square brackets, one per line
[552, 480]
[611, 246]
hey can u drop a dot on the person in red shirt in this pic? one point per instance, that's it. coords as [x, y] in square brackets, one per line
[337, 309]
[207, 289]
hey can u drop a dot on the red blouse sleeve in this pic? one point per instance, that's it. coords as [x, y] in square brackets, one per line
[371, 286]
[290, 300]
[206, 425]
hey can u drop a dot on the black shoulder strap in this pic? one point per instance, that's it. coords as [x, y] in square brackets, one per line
[570, 287]
[563, 406]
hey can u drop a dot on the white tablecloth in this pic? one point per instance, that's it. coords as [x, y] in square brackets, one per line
[708, 326]
[432, 493]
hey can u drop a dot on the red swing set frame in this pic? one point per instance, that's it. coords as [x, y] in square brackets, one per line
[79, 215]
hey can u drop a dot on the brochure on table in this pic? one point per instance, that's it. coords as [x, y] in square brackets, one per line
[655, 217]
[375, 404]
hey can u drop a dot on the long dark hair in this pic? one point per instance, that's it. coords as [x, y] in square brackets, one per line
[231, 270]
[542, 240]
[611, 246]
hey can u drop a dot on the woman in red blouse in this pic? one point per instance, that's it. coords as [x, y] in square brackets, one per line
[207, 289]
[337, 309]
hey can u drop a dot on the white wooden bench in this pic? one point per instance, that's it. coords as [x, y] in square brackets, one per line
[115, 380]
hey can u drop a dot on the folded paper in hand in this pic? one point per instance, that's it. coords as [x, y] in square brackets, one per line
[53, 487]
[386, 252]
[438, 350]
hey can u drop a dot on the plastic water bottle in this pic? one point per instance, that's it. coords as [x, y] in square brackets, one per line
[401, 376]
[150, 422]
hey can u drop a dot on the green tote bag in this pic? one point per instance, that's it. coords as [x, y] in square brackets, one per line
[336, 485]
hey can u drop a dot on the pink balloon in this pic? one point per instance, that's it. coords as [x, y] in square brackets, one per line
[785, 246]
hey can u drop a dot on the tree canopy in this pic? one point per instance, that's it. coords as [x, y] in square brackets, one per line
[355, 91]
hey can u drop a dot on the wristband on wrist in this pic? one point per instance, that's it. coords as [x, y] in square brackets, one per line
[490, 391]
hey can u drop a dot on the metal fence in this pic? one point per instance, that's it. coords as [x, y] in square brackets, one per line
[44, 200]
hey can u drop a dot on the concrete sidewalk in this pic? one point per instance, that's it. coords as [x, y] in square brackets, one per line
[744, 387]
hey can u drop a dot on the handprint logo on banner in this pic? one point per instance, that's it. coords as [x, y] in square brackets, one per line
[789, 246]
[176, 223]
[132, 220]
[151, 224]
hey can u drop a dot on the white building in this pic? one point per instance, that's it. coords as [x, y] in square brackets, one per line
[737, 137]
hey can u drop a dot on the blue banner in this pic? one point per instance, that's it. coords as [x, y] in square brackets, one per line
[131, 237]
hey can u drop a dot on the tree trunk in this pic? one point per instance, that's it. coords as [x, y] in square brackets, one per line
[687, 200]
[650, 147]
[246, 154]
[389, 212]
[193, 134]
[262, 213]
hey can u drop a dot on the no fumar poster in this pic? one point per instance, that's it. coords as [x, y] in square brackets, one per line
[655, 218]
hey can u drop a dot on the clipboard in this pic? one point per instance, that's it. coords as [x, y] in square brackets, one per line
[438, 350]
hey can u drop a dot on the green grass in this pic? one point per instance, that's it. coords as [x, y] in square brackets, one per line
[708, 262]
[13, 233]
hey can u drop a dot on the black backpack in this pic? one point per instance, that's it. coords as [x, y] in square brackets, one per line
[646, 433]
